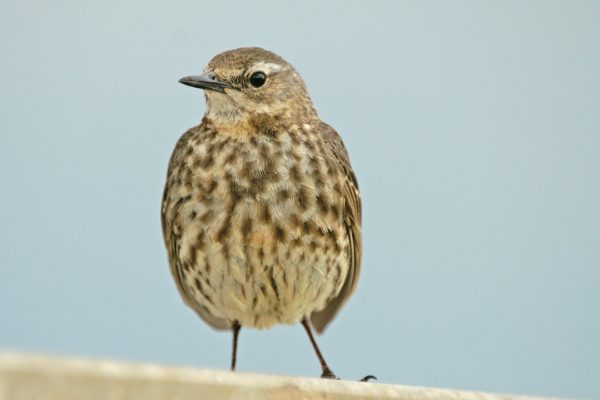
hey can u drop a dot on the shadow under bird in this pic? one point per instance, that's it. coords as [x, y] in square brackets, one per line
[261, 212]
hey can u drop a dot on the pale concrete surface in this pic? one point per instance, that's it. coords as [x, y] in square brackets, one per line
[24, 376]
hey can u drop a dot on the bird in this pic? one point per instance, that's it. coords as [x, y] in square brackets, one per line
[261, 211]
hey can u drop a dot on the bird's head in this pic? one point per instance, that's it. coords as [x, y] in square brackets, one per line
[250, 83]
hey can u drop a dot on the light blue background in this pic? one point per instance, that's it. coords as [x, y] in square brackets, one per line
[474, 129]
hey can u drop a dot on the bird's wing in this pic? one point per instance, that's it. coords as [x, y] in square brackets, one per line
[169, 217]
[352, 221]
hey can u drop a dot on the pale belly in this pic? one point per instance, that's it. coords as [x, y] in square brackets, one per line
[261, 270]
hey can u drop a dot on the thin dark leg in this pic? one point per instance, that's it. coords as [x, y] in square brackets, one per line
[236, 330]
[327, 373]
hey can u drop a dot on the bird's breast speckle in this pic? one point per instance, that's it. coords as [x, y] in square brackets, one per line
[261, 238]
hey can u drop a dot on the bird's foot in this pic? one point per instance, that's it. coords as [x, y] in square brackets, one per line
[328, 374]
[368, 378]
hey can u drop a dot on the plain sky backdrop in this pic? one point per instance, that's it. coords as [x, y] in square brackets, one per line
[474, 130]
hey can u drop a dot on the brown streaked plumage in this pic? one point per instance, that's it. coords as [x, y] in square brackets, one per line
[261, 211]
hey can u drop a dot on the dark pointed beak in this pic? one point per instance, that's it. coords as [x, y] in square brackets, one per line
[206, 82]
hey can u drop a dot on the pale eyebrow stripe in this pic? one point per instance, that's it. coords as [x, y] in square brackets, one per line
[267, 67]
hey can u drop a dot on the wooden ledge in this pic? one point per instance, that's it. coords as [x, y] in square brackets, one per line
[46, 377]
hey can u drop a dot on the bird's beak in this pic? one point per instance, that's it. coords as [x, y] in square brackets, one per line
[205, 81]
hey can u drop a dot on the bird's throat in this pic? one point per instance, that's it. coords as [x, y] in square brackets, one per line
[236, 128]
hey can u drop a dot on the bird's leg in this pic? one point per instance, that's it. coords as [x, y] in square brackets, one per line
[236, 330]
[327, 373]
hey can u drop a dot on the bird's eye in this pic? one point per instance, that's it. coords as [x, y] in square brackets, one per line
[258, 79]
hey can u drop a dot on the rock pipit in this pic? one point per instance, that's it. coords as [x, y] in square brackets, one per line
[261, 212]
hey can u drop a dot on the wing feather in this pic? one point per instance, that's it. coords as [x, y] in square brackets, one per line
[169, 218]
[352, 221]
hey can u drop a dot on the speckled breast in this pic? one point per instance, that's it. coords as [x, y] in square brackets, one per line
[255, 225]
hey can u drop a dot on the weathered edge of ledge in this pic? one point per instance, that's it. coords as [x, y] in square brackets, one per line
[25, 376]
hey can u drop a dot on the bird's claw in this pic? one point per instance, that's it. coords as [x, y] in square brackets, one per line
[368, 378]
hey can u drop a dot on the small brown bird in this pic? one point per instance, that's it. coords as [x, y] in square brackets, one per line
[261, 212]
